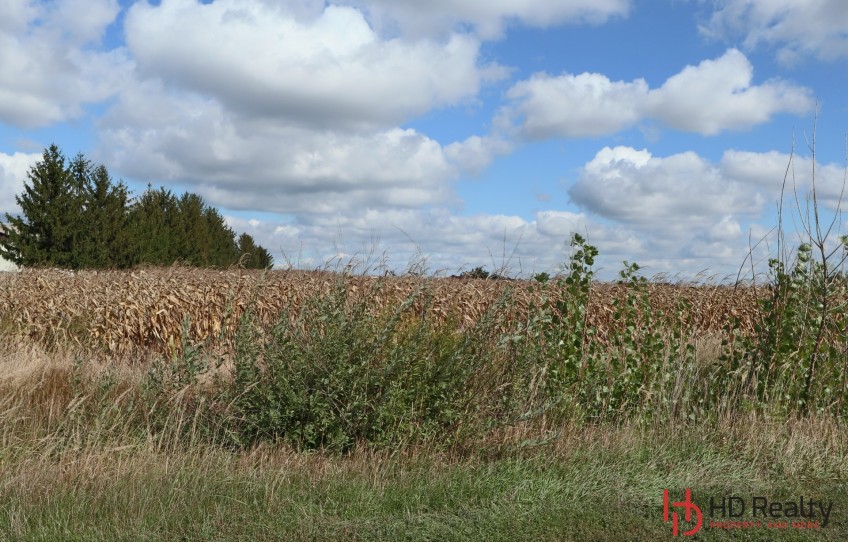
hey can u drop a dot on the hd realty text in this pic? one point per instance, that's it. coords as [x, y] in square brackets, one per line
[762, 507]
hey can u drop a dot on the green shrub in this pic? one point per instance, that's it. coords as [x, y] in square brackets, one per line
[338, 376]
[795, 360]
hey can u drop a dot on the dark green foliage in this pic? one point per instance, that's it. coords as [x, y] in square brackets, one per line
[796, 359]
[53, 205]
[104, 238]
[542, 277]
[338, 377]
[152, 225]
[169, 229]
[254, 256]
[74, 216]
[219, 245]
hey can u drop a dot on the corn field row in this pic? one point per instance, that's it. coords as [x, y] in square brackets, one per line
[149, 309]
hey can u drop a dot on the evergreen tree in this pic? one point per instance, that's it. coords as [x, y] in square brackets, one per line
[264, 260]
[222, 238]
[246, 248]
[106, 237]
[169, 230]
[255, 256]
[153, 228]
[192, 235]
[78, 178]
[45, 234]
[74, 216]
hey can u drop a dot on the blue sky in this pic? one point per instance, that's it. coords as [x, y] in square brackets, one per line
[465, 133]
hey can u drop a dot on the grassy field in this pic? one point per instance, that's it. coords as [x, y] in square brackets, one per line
[416, 409]
[73, 467]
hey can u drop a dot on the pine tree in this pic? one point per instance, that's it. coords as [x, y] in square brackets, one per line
[106, 236]
[153, 228]
[223, 239]
[263, 258]
[192, 236]
[45, 234]
[74, 216]
[255, 256]
[170, 230]
[246, 248]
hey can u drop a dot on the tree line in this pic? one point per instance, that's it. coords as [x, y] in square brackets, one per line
[75, 217]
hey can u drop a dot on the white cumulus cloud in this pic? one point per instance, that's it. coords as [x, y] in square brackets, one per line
[690, 212]
[769, 169]
[582, 105]
[258, 59]
[682, 191]
[718, 95]
[795, 29]
[51, 64]
[714, 96]
[245, 163]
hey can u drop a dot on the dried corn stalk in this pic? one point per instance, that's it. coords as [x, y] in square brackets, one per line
[121, 311]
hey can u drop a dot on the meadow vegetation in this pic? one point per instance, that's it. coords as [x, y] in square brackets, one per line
[372, 409]
[244, 405]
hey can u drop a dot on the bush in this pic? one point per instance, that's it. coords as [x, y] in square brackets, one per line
[338, 376]
[795, 362]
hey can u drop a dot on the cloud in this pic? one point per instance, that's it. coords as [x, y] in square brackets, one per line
[333, 69]
[17, 14]
[394, 186]
[717, 95]
[292, 107]
[796, 29]
[686, 212]
[696, 213]
[438, 239]
[681, 192]
[244, 163]
[52, 66]
[727, 228]
[582, 105]
[756, 168]
[476, 153]
[13, 173]
[768, 170]
[714, 96]
[488, 18]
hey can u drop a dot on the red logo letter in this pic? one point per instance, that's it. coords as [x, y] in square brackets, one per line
[689, 506]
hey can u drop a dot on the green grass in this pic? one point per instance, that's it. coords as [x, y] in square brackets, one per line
[592, 484]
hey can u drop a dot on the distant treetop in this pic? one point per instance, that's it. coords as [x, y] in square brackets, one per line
[74, 216]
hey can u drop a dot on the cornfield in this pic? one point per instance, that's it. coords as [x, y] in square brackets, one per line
[150, 309]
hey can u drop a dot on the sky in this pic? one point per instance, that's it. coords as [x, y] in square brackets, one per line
[442, 135]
